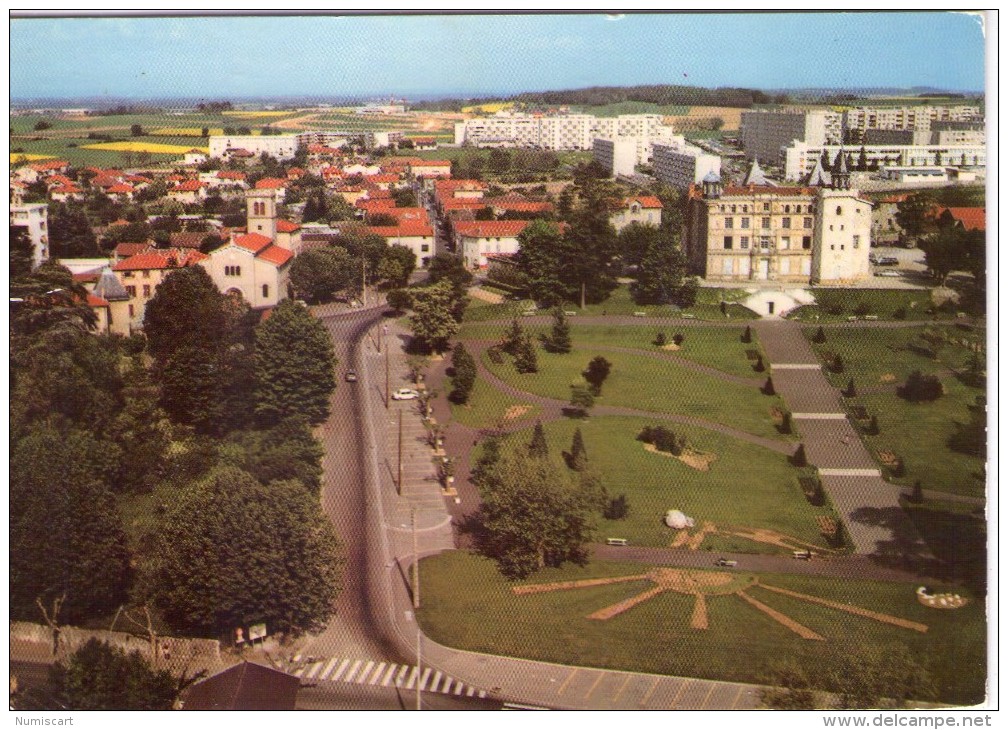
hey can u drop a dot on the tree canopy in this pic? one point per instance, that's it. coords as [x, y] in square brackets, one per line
[432, 321]
[318, 273]
[233, 552]
[295, 364]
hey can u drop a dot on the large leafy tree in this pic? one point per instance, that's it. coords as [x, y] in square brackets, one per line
[396, 265]
[914, 215]
[533, 514]
[367, 246]
[295, 362]
[432, 321]
[70, 233]
[464, 378]
[187, 310]
[947, 250]
[20, 252]
[318, 273]
[66, 536]
[48, 298]
[661, 278]
[287, 450]
[541, 257]
[446, 267]
[233, 552]
[141, 430]
[99, 676]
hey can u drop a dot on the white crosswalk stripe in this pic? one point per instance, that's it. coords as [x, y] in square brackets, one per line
[384, 674]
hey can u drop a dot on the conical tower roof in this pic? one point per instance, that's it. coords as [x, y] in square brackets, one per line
[756, 175]
[109, 287]
[819, 177]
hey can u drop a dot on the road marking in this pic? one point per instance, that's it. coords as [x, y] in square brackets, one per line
[794, 366]
[594, 685]
[471, 692]
[435, 681]
[447, 686]
[399, 676]
[622, 687]
[328, 668]
[459, 687]
[342, 668]
[709, 693]
[353, 671]
[820, 416]
[377, 674]
[313, 670]
[424, 677]
[647, 695]
[482, 694]
[563, 685]
[738, 696]
[682, 688]
[850, 472]
[388, 675]
[412, 678]
[365, 672]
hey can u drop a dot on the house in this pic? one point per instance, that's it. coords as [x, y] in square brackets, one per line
[194, 157]
[113, 300]
[142, 272]
[643, 209]
[63, 193]
[35, 171]
[475, 239]
[126, 249]
[972, 219]
[519, 206]
[430, 168]
[416, 236]
[190, 192]
[253, 267]
[121, 192]
[424, 143]
[187, 239]
[885, 230]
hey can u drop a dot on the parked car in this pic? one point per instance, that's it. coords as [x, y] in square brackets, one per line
[351, 376]
[725, 563]
[873, 258]
[886, 273]
[405, 394]
[888, 261]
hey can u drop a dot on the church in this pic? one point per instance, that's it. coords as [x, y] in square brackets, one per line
[817, 233]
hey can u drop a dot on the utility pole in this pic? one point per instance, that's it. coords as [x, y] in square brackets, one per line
[386, 376]
[418, 667]
[416, 564]
[363, 283]
[399, 479]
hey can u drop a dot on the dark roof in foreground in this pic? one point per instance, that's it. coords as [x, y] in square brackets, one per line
[245, 686]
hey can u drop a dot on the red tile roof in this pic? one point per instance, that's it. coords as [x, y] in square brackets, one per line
[239, 152]
[96, 301]
[230, 175]
[120, 188]
[253, 242]
[275, 255]
[127, 249]
[490, 229]
[463, 203]
[409, 214]
[521, 206]
[270, 183]
[160, 259]
[972, 219]
[646, 201]
[58, 179]
[381, 178]
[286, 226]
[189, 186]
[187, 239]
[432, 163]
[48, 165]
[87, 276]
[295, 172]
[65, 189]
[373, 205]
[405, 229]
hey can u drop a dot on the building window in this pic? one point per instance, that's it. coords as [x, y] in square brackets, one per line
[232, 271]
[131, 290]
[265, 290]
[857, 241]
[832, 247]
[807, 223]
[744, 242]
[146, 291]
[785, 222]
[745, 208]
[764, 241]
[806, 242]
[765, 223]
[131, 314]
[127, 274]
[729, 222]
[424, 247]
[726, 267]
[766, 206]
[727, 242]
[839, 210]
[745, 222]
[785, 242]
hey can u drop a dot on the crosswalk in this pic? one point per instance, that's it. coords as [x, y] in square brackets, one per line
[383, 674]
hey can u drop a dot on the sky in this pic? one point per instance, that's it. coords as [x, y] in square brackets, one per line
[470, 55]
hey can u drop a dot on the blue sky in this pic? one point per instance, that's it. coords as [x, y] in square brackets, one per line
[217, 57]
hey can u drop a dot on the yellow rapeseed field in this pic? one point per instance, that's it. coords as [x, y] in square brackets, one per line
[152, 147]
[19, 157]
[490, 107]
[265, 113]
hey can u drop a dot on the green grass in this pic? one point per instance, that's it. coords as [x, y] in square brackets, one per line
[918, 432]
[487, 407]
[648, 384]
[468, 605]
[957, 534]
[746, 486]
[837, 304]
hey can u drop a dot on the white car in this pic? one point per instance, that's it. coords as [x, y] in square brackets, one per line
[405, 394]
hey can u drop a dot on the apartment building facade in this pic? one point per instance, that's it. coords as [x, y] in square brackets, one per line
[764, 133]
[681, 166]
[800, 157]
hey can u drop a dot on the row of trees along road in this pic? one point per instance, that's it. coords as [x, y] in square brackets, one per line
[199, 431]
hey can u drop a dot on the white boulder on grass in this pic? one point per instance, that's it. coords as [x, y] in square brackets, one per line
[677, 520]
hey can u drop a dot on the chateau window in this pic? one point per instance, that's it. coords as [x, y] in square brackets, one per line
[744, 242]
[131, 314]
[727, 242]
[726, 267]
[839, 210]
[787, 209]
[766, 223]
[785, 222]
[806, 242]
[764, 242]
[807, 223]
[785, 242]
[766, 206]
[729, 222]
[745, 222]
[857, 241]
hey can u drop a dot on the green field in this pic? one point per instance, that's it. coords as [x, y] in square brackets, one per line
[468, 605]
[648, 384]
[837, 304]
[632, 107]
[747, 486]
[878, 360]
[488, 407]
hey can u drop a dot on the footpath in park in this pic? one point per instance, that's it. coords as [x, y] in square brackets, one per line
[868, 505]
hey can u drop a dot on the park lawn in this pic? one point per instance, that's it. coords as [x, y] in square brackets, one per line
[468, 605]
[487, 407]
[648, 384]
[747, 485]
[837, 304]
[956, 532]
[918, 432]
[717, 347]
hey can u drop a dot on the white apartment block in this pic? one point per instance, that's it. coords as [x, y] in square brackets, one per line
[281, 147]
[33, 218]
[907, 117]
[560, 132]
[683, 165]
[618, 156]
[800, 158]
[764, 133]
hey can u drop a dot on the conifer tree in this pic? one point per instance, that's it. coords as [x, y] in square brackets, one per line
[578, 454]
[538, 446]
